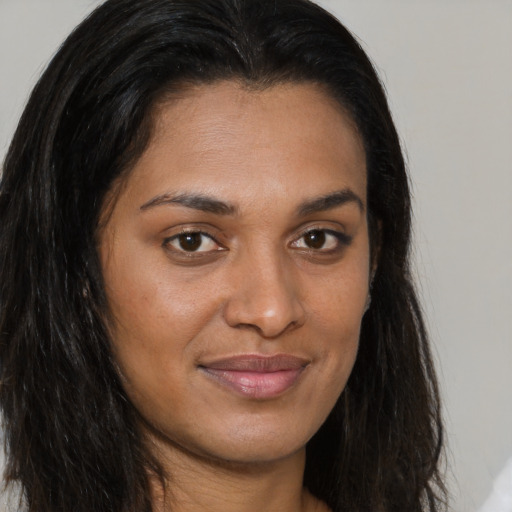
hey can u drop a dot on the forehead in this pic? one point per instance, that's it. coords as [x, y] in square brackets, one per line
[279, 141]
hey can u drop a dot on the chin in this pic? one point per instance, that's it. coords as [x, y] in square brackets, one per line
[250, 440]
[252, 452]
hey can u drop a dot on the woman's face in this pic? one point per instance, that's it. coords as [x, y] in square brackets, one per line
[236, 265]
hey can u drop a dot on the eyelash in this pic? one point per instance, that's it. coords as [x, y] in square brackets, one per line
[191, 254]
[342, 241]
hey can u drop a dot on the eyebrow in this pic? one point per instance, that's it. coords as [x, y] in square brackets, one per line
[194, 201]
[330, 201]
[216, 206]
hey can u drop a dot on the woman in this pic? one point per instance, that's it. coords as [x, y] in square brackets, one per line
[205, 293]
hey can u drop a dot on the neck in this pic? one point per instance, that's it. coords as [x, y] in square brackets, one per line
[194, 483]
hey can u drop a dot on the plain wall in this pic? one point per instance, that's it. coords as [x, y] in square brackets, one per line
[447, 67]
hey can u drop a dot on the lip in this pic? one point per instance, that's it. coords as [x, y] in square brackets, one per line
[256, 376]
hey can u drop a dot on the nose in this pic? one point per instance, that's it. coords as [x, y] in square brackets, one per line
[264, 297]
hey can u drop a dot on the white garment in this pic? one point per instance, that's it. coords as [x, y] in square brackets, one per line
[500, 499]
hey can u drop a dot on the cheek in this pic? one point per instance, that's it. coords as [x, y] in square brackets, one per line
[154, 327]
[155, 304]
[337, 307]
[337, 302]
[155, 318]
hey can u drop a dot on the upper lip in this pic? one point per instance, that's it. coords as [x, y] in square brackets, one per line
[257, 363]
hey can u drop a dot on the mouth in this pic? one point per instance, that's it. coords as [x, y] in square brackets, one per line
[255, 376]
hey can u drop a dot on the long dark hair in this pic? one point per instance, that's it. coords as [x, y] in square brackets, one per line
[71, 434]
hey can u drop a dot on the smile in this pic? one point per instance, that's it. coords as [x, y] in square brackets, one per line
[254, 376]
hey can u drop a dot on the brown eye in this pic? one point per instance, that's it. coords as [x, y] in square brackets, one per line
[190, 241]
[315, 239]
[195, 241]
[322, 240]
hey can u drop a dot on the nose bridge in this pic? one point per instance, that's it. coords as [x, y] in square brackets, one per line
[264, 294]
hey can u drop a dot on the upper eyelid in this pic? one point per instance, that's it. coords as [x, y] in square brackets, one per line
[320, 225]
[191, 228]
[342, 238]
[176, 231]
[192, 231]
[186, 231]
[333, 231]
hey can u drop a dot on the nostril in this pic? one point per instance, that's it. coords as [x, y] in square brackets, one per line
[266, 331]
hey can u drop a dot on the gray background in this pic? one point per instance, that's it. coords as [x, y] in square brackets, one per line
[447, 66]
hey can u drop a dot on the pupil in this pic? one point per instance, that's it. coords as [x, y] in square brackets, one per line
[315, 239]
[190, 241]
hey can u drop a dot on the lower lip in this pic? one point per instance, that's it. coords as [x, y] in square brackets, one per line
[257, 385]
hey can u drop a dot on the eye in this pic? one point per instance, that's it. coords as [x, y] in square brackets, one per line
[321, 240]
[192, 242]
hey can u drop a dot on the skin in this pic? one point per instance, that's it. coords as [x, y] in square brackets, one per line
[254, 283]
